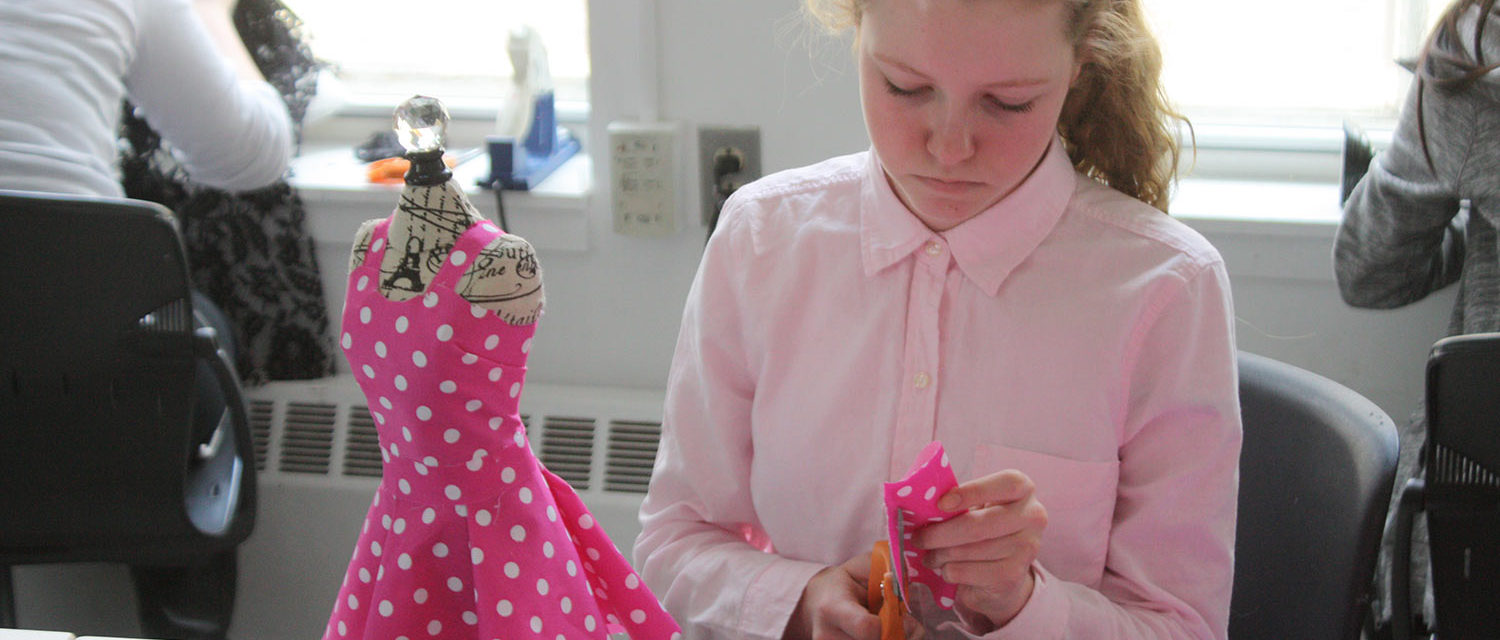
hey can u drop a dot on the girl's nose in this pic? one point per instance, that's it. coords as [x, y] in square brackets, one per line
[949, 140]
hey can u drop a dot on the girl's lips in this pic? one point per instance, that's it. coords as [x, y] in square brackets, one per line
[948, 186]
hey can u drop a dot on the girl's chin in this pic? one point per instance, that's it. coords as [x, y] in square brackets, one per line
[942, 217]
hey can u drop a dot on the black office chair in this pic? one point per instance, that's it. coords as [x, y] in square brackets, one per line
[1458, 489]
[1315, 481]
[100, 457]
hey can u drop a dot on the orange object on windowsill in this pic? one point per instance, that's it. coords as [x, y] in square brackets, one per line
[393, 170]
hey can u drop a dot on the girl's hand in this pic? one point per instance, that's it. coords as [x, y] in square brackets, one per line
[833, 605]
[987, 551]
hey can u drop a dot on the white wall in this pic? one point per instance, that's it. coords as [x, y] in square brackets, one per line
[613, 312]
[1288, 307]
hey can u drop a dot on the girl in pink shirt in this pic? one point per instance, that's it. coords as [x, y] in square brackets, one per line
[996, 274]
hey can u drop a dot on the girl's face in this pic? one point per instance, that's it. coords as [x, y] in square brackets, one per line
[961, 97]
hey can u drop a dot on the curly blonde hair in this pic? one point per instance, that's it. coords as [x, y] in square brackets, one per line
[1116, 123]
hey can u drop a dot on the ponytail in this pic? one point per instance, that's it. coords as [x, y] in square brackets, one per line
[1116, 123]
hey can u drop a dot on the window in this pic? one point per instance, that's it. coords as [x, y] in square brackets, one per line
[463, 57]
[1273, 75]
[1289, 62]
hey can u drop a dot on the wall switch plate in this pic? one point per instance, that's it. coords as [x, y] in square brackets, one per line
[643, 177]
[728, 158]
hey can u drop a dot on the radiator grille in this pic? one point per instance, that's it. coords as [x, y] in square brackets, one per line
[362, 452]
[630, 455]
[324, 428]
[261, 413]
[568, 449]
[307, 442]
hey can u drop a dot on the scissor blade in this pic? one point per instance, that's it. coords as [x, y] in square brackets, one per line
[898, 564]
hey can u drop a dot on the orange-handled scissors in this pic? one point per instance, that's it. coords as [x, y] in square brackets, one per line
[883, 595]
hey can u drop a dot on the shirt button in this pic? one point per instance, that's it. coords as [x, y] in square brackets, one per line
[922, 380]
[934, 249]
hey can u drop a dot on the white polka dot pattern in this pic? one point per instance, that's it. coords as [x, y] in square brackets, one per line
[468, 535]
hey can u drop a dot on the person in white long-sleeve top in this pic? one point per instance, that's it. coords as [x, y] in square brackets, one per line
[66, 67]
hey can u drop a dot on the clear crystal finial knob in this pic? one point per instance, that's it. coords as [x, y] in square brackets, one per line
[422, 124]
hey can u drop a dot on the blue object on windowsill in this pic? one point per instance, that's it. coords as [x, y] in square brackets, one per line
[546, 147]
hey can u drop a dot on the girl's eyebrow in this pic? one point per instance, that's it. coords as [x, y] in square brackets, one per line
[1020, 83]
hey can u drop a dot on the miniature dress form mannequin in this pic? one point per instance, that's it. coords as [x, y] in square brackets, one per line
[468, 536]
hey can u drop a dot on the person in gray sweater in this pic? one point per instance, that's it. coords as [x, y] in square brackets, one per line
[1425, 214]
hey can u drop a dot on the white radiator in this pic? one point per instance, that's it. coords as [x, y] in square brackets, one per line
[319, 464]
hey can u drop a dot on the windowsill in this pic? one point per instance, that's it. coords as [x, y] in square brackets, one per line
[1266, 227]
[476, 109]
[1257, 202]
[553, 215]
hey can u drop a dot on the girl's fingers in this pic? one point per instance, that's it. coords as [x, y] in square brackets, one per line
[1000, 487]
[984, 523]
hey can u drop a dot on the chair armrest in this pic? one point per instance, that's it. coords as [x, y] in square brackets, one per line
[206, 347]
[207, 450]
[233, 517]
[1411, 502]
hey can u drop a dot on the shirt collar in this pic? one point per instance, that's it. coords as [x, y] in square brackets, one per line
[988, 246]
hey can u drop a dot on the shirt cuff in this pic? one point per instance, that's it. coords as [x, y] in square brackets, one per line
[1043, 616]
[772, 597]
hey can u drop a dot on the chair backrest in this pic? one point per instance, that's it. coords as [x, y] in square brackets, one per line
[1315, 482]
[1462, 484]
[97, 364]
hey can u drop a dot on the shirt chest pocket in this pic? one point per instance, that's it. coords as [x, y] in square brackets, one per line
[1080, 500]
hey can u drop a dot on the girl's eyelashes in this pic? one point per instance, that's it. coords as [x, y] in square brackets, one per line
[997, 103]
[898, 91]
[1012, 107]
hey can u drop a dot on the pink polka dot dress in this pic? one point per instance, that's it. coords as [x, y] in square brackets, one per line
[468, 535]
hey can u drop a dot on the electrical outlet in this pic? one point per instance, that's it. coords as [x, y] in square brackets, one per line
[728, 158]
[643, 177]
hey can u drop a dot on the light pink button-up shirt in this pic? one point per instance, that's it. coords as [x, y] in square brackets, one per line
[1069, 331]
